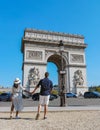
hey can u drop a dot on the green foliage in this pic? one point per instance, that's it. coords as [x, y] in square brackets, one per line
[54, 92]
[0, 92]
[98, 89]
[94, 88]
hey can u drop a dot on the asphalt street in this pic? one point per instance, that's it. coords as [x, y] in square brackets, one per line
[56, 102]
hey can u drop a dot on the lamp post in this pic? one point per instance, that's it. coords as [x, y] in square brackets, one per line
[62, 79]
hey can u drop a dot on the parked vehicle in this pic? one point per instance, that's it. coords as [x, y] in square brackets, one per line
[93, 94]
[25, 95]
[71, 95]
[55, 96]
[6, 96]
[52, 97]
[35, 97]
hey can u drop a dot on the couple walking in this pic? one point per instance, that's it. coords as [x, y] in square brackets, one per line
[45, 90]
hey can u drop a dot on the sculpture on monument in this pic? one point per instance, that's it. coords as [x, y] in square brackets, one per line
[78, 78]
[33, 77]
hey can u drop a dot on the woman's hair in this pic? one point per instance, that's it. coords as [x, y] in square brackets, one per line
[15, 85]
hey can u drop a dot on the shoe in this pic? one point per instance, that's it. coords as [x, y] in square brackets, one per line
[17, 117]
[10, 116]
[37, 116]
[45, 118]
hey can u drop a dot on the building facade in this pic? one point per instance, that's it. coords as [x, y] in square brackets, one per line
[40, 47]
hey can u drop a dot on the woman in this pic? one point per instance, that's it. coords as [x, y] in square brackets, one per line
[17, 97]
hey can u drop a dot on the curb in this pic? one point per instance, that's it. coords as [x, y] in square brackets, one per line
[56, 109]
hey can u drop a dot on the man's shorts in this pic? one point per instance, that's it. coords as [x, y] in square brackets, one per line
[44, 100]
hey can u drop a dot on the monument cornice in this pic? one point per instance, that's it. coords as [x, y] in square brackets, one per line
[51, 42]
[53, 33]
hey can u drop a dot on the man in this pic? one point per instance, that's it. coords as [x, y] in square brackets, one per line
[45, 90]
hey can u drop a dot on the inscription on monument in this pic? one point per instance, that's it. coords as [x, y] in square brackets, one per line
[37, 55]
[75, 58]
[53, 37]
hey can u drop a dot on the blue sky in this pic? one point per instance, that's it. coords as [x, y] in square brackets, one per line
[68, 16]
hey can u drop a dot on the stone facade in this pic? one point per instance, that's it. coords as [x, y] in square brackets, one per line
[40, 47]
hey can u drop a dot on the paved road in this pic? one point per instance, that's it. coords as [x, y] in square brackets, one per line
[55, 103]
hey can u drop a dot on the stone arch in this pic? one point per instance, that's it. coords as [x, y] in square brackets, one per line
[40, 47]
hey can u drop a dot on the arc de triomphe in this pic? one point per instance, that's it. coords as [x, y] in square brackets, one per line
[40, 47]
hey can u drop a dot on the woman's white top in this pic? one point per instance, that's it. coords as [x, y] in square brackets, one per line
[17, 92]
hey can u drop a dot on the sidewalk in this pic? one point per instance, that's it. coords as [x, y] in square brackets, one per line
[67, 108]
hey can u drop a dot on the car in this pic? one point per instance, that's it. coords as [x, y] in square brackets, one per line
[93, 94]
[71, 95]
[25, 95]
[6, 96]
[55, 96]
[35, 97]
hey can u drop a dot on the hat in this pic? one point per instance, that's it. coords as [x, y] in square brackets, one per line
[17, 81]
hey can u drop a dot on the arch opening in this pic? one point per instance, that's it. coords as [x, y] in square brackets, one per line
[54, 66]
[53, 70]
[56, 59]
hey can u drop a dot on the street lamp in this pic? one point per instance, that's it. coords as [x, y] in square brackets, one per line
[62, 79]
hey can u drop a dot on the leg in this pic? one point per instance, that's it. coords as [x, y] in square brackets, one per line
[46, 102]
[38, 113]
[12, 109]
[45, 111]
[17, 113]
[40, 103]
[39, 109]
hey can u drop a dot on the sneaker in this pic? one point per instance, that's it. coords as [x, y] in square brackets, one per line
[17, 117]
[45, 118]
[10, 116]
[37, 116]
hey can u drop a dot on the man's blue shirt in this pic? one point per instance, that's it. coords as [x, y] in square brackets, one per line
[46, 86]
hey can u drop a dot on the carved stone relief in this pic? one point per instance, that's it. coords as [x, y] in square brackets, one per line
[78, 78]
[37, 55]
[33, 77]
[75, 58]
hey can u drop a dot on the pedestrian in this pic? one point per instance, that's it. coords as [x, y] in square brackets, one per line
[45, 90]
[17, 97]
